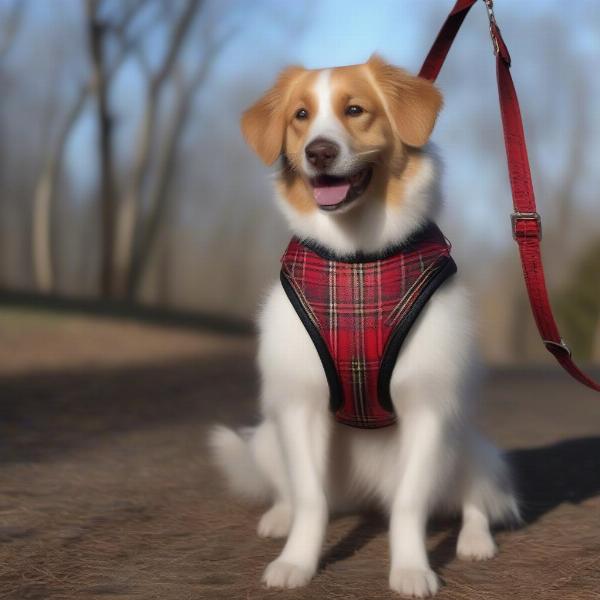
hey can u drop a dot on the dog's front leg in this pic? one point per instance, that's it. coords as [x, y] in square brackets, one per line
[303, 436]
[421, 433]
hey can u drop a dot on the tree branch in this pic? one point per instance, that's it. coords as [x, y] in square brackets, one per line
[167, 168]
[132, 200]
[11, 27]
[47, 184]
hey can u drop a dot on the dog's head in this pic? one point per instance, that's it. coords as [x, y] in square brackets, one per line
[342, 132]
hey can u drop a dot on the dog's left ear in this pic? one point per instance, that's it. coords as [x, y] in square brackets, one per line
[413, 103]
[263, 124]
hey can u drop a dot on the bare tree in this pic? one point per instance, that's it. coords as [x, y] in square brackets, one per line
[122, 262]
[96, 31]
[166, 168]
[131, 202]
[12, 17]
[43, 200]
[144, 249]
[143, 185]
[10, 27]
[47, 184]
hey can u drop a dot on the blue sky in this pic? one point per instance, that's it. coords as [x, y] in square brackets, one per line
[272, 33]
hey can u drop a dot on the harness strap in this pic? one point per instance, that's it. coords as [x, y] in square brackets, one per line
[526, 222]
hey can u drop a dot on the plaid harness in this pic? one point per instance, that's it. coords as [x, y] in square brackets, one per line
[358, 310]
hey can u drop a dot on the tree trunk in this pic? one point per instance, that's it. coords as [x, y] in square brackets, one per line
[165, 171]
[45, 198]
[10, 27]
[41, 230]
[96, 31]
[132, 200]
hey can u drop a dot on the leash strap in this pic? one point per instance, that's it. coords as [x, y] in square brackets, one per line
[526, 222]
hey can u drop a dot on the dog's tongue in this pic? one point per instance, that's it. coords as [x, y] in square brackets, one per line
[329, 195]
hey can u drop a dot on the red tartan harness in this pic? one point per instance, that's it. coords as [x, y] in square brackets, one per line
[358, 310]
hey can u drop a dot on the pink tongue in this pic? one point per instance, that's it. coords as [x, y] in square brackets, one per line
[331, 194]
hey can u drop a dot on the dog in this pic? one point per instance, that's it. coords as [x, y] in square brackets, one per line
[358, 176]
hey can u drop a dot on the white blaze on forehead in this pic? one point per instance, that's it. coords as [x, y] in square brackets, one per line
[326, 123]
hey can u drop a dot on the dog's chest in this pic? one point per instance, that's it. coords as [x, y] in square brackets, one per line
[358, 312]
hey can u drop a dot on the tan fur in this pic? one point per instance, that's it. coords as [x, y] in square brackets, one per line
[396, 185]
[295, 190]
[400, 111]
[351, 85]
[264, 123]
[412, 103]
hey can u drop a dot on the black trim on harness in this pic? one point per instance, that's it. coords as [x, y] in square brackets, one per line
[336, 398]
[364, 257]
[388, 360]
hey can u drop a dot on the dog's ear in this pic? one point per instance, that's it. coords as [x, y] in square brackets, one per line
[263, 124]
[412, 103]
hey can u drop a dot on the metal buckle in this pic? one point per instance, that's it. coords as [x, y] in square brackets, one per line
[562, 345]
[489, 4]
[525, 216]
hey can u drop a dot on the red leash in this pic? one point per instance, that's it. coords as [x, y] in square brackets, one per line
[526, 223]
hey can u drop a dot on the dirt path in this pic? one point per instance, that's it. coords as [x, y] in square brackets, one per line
[105, 491]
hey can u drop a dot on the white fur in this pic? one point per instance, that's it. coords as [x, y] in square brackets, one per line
[327, 125]
[433, 459]
[371, 225]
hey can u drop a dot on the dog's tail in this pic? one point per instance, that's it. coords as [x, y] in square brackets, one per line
[494, 484]
[235, 456]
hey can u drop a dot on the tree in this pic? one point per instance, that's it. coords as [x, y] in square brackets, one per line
[127, 238]
[137, 175]
[185, 92]
[12, 17]
[146, 138]
[48, 181]
[10, 26]
[97, 29]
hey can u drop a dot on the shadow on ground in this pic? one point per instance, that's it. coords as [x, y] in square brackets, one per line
[45, 414]
[106, 491]
[547, 476]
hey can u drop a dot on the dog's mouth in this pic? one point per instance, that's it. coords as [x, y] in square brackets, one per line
[331, 192]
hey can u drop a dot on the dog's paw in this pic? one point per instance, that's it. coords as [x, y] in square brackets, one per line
[276, 522]
[414, 583]
[281, 574]
[475, 544]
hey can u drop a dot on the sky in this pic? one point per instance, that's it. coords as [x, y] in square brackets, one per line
[269, 34]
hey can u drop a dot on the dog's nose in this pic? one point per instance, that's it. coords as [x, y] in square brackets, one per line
[320, 153]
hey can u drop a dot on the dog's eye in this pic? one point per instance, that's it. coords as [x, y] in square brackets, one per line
[301, 114]
[354, 110]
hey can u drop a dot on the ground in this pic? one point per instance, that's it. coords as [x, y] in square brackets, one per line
[106, 491]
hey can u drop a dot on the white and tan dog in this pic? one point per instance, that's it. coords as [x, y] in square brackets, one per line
[357, 176]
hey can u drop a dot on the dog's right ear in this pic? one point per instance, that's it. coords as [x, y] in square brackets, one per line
[263, 124]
